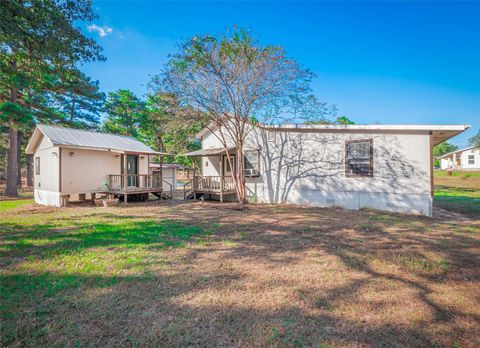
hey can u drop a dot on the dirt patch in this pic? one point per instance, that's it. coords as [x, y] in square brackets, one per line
[266, 275]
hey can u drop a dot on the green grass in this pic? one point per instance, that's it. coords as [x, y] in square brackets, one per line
[12, 204]
[462, 200]
[460, 174]
[45, 256]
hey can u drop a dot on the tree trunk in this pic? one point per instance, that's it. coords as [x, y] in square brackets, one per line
[29, 160]
[12, 152]
[19, 156]
[242, 197]
[72, 109]
[12, 161]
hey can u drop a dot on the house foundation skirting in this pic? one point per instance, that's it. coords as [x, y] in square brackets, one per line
[48, 198]
[417, 204]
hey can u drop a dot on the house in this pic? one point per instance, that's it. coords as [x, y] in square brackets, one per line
[169, 173]
[464, 159]
[385, 167]
[79, 162]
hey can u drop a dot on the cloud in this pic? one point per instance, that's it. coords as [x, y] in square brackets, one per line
[102, 31]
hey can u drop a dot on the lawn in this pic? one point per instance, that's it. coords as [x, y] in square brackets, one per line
[459, 192]
[205, 274]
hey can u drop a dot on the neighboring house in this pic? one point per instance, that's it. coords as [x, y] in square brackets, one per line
[78, 162]
[386, 167]
[464, 159]
[169, 173]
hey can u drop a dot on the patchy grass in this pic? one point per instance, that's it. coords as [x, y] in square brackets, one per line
[193, 274]
[465, 201]
[460, 179]
[459, 192]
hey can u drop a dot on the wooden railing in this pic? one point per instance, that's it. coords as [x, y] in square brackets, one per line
[134, 182]
[210, 184]
[188, 189]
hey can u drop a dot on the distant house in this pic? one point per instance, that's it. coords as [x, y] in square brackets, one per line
[169, 172]
[386, 167]
[78, 162]
[464, 159]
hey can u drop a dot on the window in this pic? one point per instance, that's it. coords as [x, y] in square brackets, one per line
[271, 135]
[252, 163]
[37, 165]
[359, 158]
[471, 159]
[226, 164]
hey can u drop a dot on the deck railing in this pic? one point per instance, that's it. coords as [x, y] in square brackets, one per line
[210, 184]
[134, 182]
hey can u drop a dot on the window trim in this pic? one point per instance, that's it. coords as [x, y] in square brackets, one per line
[224, 165]
[371, 168]
[471, 159]
[37, 165]
[257, 153]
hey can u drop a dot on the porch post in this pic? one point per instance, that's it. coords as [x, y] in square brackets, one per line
[161, 172]
[221, 180]
[125, 179]
[194, 180]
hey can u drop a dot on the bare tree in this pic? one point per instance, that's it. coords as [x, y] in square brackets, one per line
[234, 82]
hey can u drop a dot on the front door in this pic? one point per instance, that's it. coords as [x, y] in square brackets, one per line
[227, 167]
[132, 168]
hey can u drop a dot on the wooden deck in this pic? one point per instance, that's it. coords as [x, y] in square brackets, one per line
[121, 184]
[218, 185]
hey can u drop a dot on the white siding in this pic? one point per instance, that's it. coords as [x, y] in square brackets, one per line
[446, 163]
[450, 161]
[87, 170]
[48, 179]
[476, 158]
[308, 168]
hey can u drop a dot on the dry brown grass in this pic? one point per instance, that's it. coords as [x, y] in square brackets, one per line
[276, 276]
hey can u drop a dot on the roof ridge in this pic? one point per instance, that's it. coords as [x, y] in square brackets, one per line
[87, 131]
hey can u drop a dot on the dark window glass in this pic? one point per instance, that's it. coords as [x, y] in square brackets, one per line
[471, 159]
[359, 158]
[37, 165]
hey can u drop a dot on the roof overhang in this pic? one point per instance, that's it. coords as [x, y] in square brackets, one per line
[89, 148]
[37, 136]
[456, 151]
[440, 133]
[34, 139]
[209, 152]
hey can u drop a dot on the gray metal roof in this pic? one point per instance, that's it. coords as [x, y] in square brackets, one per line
[208, 152]
[94, 140]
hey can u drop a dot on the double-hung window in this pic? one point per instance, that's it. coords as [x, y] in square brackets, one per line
[252, 163]
[359, 158]
[471, 159]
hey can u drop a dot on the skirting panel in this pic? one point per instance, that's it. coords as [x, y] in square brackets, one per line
[48, 198]
[418, 204]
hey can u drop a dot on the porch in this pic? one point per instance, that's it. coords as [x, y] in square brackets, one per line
[215, 180]
[220, 186]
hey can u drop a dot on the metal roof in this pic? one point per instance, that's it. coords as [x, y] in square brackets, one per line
[440, 133]
[61, 136]
[456, 151]
[208, 152]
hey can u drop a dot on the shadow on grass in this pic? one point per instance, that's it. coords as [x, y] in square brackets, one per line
[189, 305]
[143, 310]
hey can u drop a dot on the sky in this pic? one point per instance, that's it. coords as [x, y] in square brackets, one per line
[379, 62]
